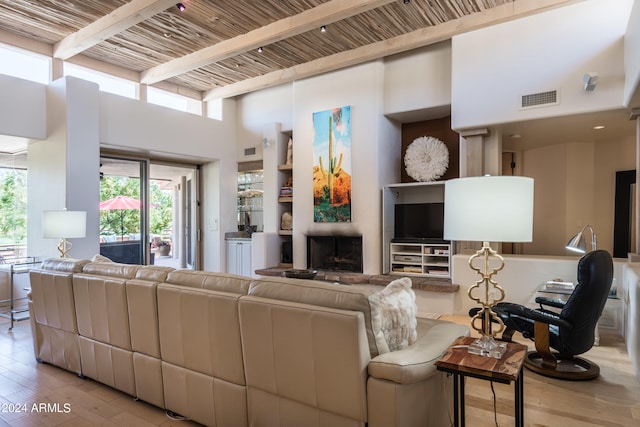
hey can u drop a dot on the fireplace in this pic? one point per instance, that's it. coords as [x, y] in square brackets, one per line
[335, 253]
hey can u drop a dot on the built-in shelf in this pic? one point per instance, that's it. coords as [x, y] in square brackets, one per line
[410, 193]
[423, 259]
[285, 196]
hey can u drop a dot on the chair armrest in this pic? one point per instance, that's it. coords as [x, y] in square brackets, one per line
[556, 303]
[417, 361]
[543, 316]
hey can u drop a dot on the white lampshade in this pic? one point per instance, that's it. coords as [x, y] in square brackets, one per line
[64, 224]
[489, 209]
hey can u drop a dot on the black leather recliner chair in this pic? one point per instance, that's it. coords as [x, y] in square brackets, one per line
[570, 332]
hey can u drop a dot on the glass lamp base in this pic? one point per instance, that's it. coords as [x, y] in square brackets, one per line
[488, 347]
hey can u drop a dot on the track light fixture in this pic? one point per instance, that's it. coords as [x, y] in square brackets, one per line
[181, 7]
[323, 28]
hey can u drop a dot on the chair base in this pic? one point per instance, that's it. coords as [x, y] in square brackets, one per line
[570, 368]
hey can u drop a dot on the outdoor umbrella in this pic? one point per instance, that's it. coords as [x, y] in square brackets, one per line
[121, 203]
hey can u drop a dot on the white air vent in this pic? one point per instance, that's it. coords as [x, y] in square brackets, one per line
[250, 151]
[541, 99]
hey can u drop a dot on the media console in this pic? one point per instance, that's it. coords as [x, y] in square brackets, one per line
[423, 259]
[412, 230]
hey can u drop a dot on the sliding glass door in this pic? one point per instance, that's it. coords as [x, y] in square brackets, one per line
[160, 223]
[123, 210]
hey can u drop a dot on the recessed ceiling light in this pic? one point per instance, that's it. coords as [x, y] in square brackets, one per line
[260, 49]
[598, 127]
[167, 35]
[323, 29]
[181, 7]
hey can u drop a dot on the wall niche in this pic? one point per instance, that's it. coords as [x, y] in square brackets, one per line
[436, 128]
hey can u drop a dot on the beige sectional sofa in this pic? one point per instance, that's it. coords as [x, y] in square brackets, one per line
[226, 350]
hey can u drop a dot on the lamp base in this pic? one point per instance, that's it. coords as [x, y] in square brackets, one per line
[63, 247]
[488, 347]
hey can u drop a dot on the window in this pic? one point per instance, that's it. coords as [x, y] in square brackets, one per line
[13, 212]
[174, 101]
[107, 83]
[24, 64]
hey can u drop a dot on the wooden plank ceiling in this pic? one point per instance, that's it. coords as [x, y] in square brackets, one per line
[211, 47]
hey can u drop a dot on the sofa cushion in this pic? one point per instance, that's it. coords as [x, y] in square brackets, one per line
[222, 282]
[111, 269]
[397, 307]
[154, 273]
[329, 295]
[67, 265]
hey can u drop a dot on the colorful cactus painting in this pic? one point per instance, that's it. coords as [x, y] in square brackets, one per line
[332, 184]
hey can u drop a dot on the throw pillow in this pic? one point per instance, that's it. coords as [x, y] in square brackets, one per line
[397, 308]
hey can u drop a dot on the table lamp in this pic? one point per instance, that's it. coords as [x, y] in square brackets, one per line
[488, 209]
[64, 225]
[577, 243]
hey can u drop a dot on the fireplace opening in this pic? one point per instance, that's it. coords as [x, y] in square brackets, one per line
[335, 253]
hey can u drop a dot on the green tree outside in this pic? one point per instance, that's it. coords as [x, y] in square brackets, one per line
[13, 206]
[128, 221]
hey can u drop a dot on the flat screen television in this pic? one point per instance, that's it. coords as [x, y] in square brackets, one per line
[419, 221]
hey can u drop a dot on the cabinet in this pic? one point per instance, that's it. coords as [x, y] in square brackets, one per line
[239, 257]
[424, 259]
[250, 200]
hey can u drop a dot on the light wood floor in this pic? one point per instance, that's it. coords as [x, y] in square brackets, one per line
[613, 399]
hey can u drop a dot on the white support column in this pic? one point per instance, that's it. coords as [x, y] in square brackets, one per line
[63, 168]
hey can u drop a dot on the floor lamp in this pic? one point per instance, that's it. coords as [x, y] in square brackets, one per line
[488, 209]
[64, 225]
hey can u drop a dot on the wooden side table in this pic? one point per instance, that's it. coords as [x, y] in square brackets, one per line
[461, 364]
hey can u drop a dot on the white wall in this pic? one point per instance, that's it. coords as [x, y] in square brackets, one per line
[63, 169]
[360, 87]
[417, 80]
[375, 148]
[493, 67]
[520, 278]
[22, 108]
[632, 59]
[275, 106]
[148, 128]
[574, 186]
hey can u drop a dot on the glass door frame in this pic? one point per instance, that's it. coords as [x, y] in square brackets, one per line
[143, 172]
[186, 206]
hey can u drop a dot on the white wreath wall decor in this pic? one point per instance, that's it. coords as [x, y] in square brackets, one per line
[426, 159]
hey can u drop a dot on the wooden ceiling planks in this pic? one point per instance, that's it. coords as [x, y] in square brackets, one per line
[173, 34]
